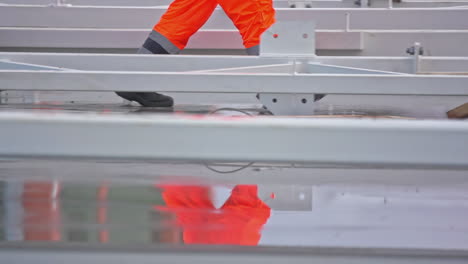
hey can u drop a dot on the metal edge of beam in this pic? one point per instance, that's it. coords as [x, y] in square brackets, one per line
[78, 253]
[267, 68]
[336, 69]
[369, 142]
[131, 62]
[10, 65]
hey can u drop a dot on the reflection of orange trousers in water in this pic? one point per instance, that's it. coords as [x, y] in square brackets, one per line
[42, 211]
[238, 222]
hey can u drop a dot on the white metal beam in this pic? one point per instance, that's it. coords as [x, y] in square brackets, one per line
[145, 18]
[234, 83]
[132, 39]
[124, 62]
[365, 142]
[399, 64]
[369, 43]
[133, 62]
[348, 31]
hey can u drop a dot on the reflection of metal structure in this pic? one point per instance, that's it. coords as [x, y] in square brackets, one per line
[342, 216]
[150, 254]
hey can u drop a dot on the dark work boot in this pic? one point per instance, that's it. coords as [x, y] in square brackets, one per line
[149, 99]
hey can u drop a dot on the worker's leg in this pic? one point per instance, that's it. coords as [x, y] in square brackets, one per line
[183, 19]
[170, 35]
[252, 18]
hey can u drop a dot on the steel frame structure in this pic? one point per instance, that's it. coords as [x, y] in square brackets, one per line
[235, 74]
[278, 72]
[287, 77]
[276, 76]
[406, 142]
[343, 31]
[275, 73]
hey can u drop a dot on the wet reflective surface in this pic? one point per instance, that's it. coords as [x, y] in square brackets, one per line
[128, 203]
[117, 213]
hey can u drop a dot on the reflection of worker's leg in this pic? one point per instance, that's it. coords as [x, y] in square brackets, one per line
[244, 215]
[41, 211]
[252, 18]
[182, 19]
[238, 222]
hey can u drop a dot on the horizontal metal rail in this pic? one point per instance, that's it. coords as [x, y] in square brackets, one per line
[48, 253]
[355, 142]
[145, 18]
[127, 62]
[234, 82]
[365, 43]
[131, 39]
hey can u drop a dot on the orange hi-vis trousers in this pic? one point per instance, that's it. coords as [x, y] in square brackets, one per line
[185, 17]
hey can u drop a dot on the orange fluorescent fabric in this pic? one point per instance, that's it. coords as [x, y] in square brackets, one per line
[238, 222]
[185, 17]
[41, 212]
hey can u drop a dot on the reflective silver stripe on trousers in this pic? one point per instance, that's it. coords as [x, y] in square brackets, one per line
[172, 49]
[164, 42]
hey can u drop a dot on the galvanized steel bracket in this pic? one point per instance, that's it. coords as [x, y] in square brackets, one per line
[289, 38]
